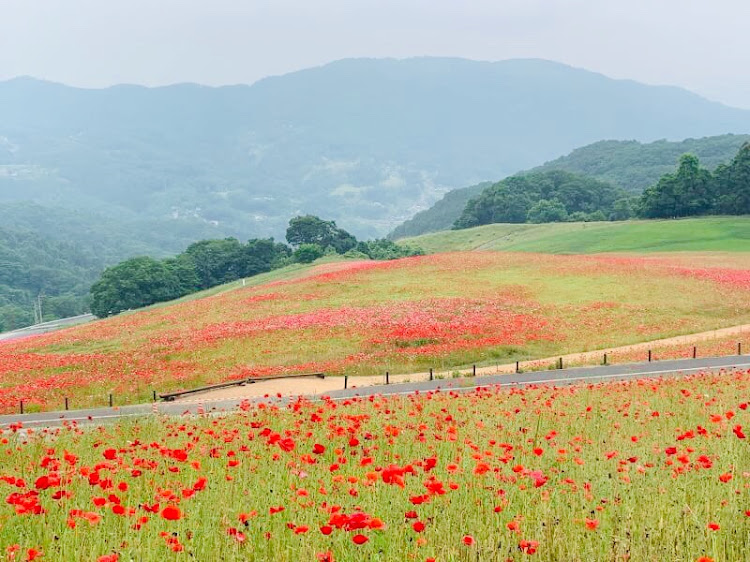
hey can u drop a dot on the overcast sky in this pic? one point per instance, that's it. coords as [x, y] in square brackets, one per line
[703, 45]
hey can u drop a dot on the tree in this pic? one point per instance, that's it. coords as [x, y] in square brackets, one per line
[216, 261]
[511, 200]
[688, 192]
[547, 211]
[384, 249]
[733, 184]
[308, 253]
[310, 229]
[261, 255]
[622, 209]
[134, 283]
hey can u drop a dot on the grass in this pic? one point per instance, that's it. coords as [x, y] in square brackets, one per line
[714, 234]
[653, 470]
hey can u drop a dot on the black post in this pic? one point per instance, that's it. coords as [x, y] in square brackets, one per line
[346, 381]
[154, 396]
[474, 371]
[649, 356]
[739, 348]
[66, 404]
[518, 368]
[387, 380]
[695, 352]
[431, 373]
[110, 401]
[561, 366]
[605, 358]
[21, 407]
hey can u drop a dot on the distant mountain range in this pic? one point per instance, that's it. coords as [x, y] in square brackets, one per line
[631, 165]
[365, 142]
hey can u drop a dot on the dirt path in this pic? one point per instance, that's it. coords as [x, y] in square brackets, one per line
[315, 386]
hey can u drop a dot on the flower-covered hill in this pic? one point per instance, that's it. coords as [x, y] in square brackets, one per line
[360, 317]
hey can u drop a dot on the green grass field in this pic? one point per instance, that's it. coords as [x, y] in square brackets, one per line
[714, 234]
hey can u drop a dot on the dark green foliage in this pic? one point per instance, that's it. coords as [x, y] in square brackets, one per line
[693, 190]
[551, 196]
[634, 166]
[545, 210]
[310, 229]
[733, 185]
[628, 164]
[261, 255]
[384, 249]
[13, 316]
[32, 266]
[143, 281]
[688, 192]
[307, 253]
[217, 261]
[134, 283]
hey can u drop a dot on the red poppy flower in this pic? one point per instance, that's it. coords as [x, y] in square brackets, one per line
[359, 539]
[171, 513]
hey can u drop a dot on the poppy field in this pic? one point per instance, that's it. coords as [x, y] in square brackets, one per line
[365, 318]
[638, 470]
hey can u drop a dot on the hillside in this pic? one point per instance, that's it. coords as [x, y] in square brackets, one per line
[365, 317]
[32, 265]
[441, 215]
[58, 253]
[713, 234]
[630, 165]
[635, 166]
[366, 142]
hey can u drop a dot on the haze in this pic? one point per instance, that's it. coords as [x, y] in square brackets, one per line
[702, 46]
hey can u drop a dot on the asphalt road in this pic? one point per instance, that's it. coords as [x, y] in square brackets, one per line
[557, 377]
[46, 327]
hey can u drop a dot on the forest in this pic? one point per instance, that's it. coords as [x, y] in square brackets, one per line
[558, 196]
[630, 165]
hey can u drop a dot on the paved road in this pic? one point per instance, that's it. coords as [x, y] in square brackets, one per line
[46, 327]
[557, 377]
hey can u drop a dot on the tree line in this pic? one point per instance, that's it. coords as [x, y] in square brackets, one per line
[557, 196]
[142, 281]
[694, 190]
[551, 196]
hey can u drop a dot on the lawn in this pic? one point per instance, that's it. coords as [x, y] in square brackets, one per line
[364, 317]
[643, 470]
[714, 234]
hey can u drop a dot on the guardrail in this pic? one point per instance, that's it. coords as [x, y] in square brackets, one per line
[170, 396]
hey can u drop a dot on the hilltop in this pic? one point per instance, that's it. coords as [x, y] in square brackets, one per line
[631, 165]
[709, 234]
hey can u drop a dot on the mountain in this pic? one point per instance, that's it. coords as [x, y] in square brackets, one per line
[441, 215]
[365, 142]
[631, 165]
[635, 166]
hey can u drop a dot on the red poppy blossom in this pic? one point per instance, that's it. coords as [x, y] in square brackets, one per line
[359, 539]
[171, 513]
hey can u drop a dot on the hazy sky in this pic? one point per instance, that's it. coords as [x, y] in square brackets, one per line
[703, 45]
